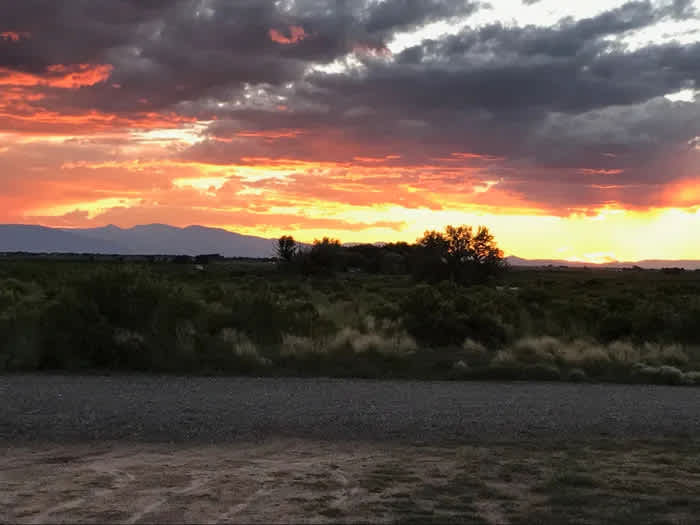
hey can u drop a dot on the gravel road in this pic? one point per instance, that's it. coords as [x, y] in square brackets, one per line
[218, 410]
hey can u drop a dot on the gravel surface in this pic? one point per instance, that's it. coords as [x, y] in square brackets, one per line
[218, 410]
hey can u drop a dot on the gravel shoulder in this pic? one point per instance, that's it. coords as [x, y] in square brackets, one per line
[139, 408]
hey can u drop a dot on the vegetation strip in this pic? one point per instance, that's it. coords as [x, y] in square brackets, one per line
[396, 311]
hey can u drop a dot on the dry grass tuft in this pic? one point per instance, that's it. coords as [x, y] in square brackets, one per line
[243, 347]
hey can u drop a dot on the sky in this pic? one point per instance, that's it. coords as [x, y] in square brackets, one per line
[570, 129]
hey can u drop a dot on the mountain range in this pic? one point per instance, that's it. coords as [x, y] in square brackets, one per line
[161, 239]
[150, 239]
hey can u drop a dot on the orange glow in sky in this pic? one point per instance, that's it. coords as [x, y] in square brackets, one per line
[357, 201]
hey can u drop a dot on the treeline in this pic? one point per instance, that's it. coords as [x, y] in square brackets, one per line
[459, 254]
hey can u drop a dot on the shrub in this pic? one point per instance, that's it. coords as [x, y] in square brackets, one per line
[670, 375]
[460, 370]
[243, 348]
[623, 353]
[74, 334]
[656, 353]
[542, 372]
[692, 378]
[504, 365]
[474, 352]
[536, 349]
[294, 345]
[577, 375]
[399, 344]
[594, 360]
[666, 375]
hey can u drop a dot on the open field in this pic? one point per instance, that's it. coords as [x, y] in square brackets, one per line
[248, 318]
[304, 481]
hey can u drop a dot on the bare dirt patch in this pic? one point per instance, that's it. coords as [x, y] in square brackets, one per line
[318, 482]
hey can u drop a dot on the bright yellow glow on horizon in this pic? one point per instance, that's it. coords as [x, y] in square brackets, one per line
[625, 236]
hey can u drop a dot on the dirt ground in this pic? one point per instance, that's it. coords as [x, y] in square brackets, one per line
[314, 482]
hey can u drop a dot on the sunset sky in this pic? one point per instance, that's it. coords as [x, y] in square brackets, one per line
[570, 129]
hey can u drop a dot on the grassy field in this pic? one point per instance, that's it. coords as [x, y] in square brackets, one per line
[592, 482]
[253, 318]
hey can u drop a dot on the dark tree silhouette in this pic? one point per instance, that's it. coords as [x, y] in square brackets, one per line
[286, 248]
[326, 255]
[459, 255]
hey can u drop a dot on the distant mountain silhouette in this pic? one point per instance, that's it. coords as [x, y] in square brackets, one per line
[38, 239]
[161, 239]
[649, 264]
[192, 240]
[151, 239]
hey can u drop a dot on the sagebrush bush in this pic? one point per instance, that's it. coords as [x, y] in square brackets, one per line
[542, 372]
[294, 345]
[577, 375]
[243, 348]
[692, 378]
[361, 342]
[536, 349]
[656, 353]
[624, 353]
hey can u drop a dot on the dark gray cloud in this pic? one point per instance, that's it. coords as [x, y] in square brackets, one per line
[166, 52]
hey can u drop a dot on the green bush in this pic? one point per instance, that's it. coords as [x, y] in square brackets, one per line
[577, 375]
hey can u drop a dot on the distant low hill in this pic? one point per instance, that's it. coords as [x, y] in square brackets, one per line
[649, 264]
[151, 239]
[161, 239]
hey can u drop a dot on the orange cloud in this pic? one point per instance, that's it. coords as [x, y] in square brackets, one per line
[19, 116]
[683, 193]
[58, 76]
[296, 34]
[269, 134]
[49, 122]
[591, 171]
[14, 36]
[607, 186]
[454, 157]
[377, 159]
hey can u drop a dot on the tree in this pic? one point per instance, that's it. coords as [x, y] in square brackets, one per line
[459, 255]
[326, 255]
[286, 248]
[429, 261]
[484, 247]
